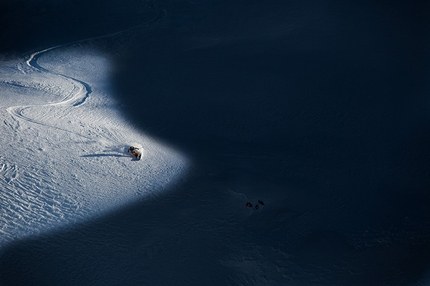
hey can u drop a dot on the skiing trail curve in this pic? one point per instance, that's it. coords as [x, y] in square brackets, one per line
[76, 94]
[63, 152]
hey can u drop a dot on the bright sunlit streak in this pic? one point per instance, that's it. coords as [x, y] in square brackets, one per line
[64, 144]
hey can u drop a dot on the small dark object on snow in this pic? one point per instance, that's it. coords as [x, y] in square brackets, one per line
[261, 202]
[257, 207]
[249, 205]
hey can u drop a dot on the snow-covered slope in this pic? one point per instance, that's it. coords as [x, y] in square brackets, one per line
[314, 111]
[63, 144]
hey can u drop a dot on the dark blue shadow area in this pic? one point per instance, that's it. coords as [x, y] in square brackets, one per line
[116, 250]
[168, 238]
[26, 26]
[319, 109]
[329, 99]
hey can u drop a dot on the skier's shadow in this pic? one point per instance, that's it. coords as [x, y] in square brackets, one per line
[110, 155]
[104, 155]
[115, 151]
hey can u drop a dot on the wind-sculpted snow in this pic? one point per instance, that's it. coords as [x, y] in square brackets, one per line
[307, 123]
[63, 145]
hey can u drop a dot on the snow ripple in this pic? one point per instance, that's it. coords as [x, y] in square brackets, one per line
[64, 147]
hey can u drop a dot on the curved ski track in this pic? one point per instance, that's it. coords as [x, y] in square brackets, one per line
[76, 96]
[32, 196]
[81, 90]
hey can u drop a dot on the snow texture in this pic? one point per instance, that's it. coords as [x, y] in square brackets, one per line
[284, 142]
[64, 148]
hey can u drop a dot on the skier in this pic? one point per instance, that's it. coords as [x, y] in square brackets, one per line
[135, 152]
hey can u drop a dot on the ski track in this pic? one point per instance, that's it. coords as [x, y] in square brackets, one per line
[39, 190]
[30, 197]
[75, 97]
[80, 91]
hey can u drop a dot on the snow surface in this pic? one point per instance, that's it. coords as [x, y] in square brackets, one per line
[64, 144]
[315, 108]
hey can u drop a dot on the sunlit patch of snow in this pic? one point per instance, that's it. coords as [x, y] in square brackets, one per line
[63, 149]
